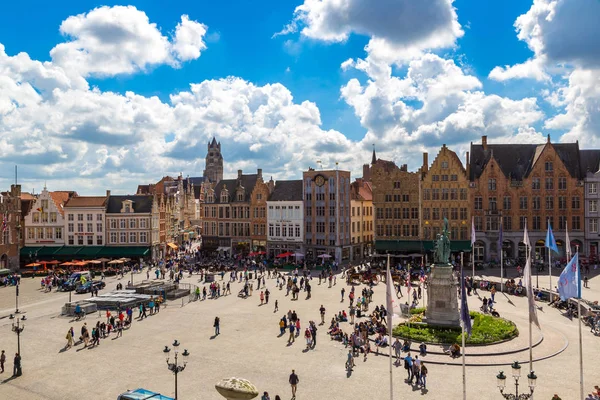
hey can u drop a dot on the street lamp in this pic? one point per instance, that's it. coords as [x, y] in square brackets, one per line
[516, 373]
[175, 367]
[18, 328]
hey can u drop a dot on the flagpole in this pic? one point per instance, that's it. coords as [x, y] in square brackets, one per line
[579, 318]
[390, 332]
[501, 268]
[549, 260]
[464, 374]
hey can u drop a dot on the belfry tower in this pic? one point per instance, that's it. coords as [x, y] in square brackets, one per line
[214, 162]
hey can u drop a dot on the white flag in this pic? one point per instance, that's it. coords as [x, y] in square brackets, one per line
[529, 289]
[392, 305]
[472, 231]
[526, 241]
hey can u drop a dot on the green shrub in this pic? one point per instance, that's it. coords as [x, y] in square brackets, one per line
[485, 330]
[417, 310]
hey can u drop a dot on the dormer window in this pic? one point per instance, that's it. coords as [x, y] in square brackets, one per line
[127, 206]
[240, 197]
[548, 166]
[224, 197]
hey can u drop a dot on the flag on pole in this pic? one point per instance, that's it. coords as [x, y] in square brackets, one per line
[526, 241]
[550, 242]
[465, 317]
[529, 290]
[567, 242]
[569, 282]
[393, 307]
[472, 231]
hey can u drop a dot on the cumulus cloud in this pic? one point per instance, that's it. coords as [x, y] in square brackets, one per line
[398, 29]
[108, 41]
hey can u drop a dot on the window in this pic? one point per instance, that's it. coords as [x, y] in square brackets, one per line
[562, 202]
[593, 225]
[98, 227]
[453, 194]
[427, 213]
[414, 230]
[576, 223]
[507, 223]
[79, 217]
[491, 184]
[90, 227]
[414, 213]
[71, 240]
[127, 207]
[122, 223]
[396, 184]
[593, 205]
[435, 178]
[523, 203]
[58, 233]
[123, 237]
[436, 214]
[444, 178]
[132, 237]
[143, 237]
[548, 166]
[562, 183]
[506, 204]
[90, 217]
[522, 222]
[535, 183]
[575, 203]
[592, 188]
[405, 213]
[444, 164]
[113, 223]
[52, 217]
[562, 222]
[80, 240]
[143, 223]
[535, 203]
[427, 194]
[70, 227]
[90, 240]
[99, 240]
[549, 184]
[493, 204]
[454, 178]
[405, 197]
[478, 203]
[478, 223]
[454, 213]
[98, 217]
[70, 217]
[132, 223]
[549, 203]
[45, 204]
[297, 228]
[259, 196]
[36, 217]
[436, 194]
[80, 227]
[283, 231]
[537, 223]
[445, 194]
[463, 194]
[272, 229]
[463, 213]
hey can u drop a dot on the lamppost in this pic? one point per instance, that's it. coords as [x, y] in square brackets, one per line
[516, 373]
[18, 328]
[175, 367]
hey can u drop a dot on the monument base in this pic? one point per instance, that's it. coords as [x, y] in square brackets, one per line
[442, 297]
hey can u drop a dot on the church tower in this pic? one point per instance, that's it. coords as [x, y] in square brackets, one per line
[214, 162]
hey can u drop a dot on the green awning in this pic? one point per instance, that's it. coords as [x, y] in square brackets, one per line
[29, 249]
[128, 251]
[89, 251]
[461, 245]
[413, 246]
[48, 251]
[68, 251]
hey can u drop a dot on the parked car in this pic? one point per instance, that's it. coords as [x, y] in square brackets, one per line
[89, 286]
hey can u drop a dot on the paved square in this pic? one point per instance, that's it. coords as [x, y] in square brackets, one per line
[249, 347]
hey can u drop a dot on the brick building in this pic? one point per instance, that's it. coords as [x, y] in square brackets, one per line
[525, 184]
[327, 214]
[445, 193]
[10, 227]
[285, 219]
[396, 203]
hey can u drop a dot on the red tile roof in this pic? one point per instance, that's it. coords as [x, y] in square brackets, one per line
[86, 201]
[60, 198]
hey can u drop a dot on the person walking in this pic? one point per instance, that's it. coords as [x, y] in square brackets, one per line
[217, 325]
[17, 365]
[423, 376]
[313, 331]
[408, 367]
[343, 291]
[2, 361]
[276, 307]
[267, 293]
[69, 338]
[322, 311]
[292, 327]
[397, 346]
[262, 297]
[294, 380]
[352, 314]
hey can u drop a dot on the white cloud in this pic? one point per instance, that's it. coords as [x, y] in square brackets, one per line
[116, 40]
[530, 69]
[399, 29]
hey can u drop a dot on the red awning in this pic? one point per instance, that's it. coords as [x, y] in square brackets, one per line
[286, 254]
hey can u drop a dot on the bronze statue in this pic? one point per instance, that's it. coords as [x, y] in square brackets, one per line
[441, 253]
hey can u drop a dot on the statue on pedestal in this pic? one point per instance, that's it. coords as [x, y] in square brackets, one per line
[441, 253]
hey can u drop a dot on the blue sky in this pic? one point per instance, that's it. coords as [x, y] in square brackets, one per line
[344, 106]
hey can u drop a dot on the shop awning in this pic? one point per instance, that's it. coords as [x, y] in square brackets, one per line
[89, 251]
[173, 246]
[412, 246]
[29, 249]
[68, 251]
[128, 251]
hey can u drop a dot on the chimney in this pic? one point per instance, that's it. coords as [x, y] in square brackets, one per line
[484, 142]
[366, 172]
[468, 166]
[107, 193]
[259, 173]
[425, 162]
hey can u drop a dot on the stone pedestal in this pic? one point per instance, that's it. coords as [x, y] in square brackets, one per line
[442, 298]
[236, 389]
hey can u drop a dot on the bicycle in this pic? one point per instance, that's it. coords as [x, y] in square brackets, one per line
[80, 315]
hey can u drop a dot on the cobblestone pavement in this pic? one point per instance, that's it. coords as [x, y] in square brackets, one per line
[249, 347]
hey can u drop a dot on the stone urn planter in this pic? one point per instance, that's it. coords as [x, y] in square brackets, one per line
[236, 389]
